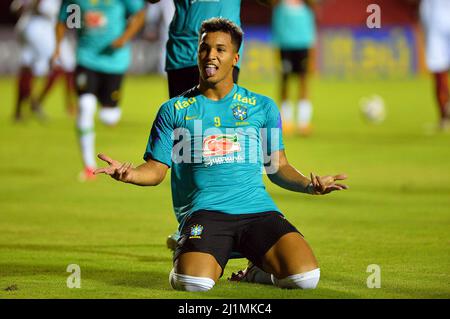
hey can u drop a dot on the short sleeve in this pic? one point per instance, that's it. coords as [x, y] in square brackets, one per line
[160, 141]
[273, 133]
[133, 6]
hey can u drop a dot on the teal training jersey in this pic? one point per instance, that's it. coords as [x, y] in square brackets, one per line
[293, 26]
[185, 26]
[102, 22]
[216, 150]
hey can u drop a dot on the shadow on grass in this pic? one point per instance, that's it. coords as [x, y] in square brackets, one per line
[259, 291]
[119, 274]
[151, 279]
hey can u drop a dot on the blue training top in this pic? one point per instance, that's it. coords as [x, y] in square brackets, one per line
[216, 150]
[102, 22]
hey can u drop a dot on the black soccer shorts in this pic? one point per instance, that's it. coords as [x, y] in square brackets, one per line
[294, 61]
[105, 86]
[184, 79]
[219, 234]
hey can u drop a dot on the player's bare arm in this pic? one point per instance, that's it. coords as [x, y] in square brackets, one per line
[60, 31]
[150, 173]
[135, 23]
[288, 177]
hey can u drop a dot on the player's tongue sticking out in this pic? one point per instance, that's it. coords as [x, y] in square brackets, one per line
[211, 70]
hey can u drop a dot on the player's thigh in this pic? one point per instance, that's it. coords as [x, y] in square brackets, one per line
[109, 91]
[86, 81]
[301, 67]
[287, 63]
[205, 244]
[27, 55]
[198, 264]
[182, 80]
[275, 245]
[290, 255]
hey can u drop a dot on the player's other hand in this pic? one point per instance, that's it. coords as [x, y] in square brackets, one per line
[321, 185]
[119, 171]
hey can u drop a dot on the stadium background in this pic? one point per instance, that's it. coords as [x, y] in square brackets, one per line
[395, 215]
[346, 47]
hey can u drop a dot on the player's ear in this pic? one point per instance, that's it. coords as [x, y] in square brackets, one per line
[236, 59]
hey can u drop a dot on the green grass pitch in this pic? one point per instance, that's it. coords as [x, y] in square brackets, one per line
[396, 213]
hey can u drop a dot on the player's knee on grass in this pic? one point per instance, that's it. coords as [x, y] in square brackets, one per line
[306, 280]
[190, 283]
[110, 115]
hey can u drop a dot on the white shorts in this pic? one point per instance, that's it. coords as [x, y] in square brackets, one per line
[38, 45]
[438, 50]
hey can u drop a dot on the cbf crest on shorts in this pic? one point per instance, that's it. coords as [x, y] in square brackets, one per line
[196, 231]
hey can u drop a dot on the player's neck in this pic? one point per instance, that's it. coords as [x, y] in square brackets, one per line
[216, 91]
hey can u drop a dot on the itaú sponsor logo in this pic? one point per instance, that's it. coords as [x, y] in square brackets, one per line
[219, 145]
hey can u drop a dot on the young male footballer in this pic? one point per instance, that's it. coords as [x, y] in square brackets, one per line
[181, 54]
[216, 138]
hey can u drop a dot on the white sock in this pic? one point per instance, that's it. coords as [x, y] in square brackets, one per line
[190, 283]
[85, 125]
[306, 280]
[287, 111]
[304, 113]
[110, 115]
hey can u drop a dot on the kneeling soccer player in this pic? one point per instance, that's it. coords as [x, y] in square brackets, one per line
[212, 137]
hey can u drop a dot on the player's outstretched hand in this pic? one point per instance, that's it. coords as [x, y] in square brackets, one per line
[117, 170]
[325, 184]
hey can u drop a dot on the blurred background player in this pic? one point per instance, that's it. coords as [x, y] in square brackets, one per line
[181, 57]
[294, 33]
[64, 67]
[35, 30]
[435, 17]
[159, 16]
[103, 56]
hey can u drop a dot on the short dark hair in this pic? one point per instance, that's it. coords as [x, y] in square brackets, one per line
[223, 25]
